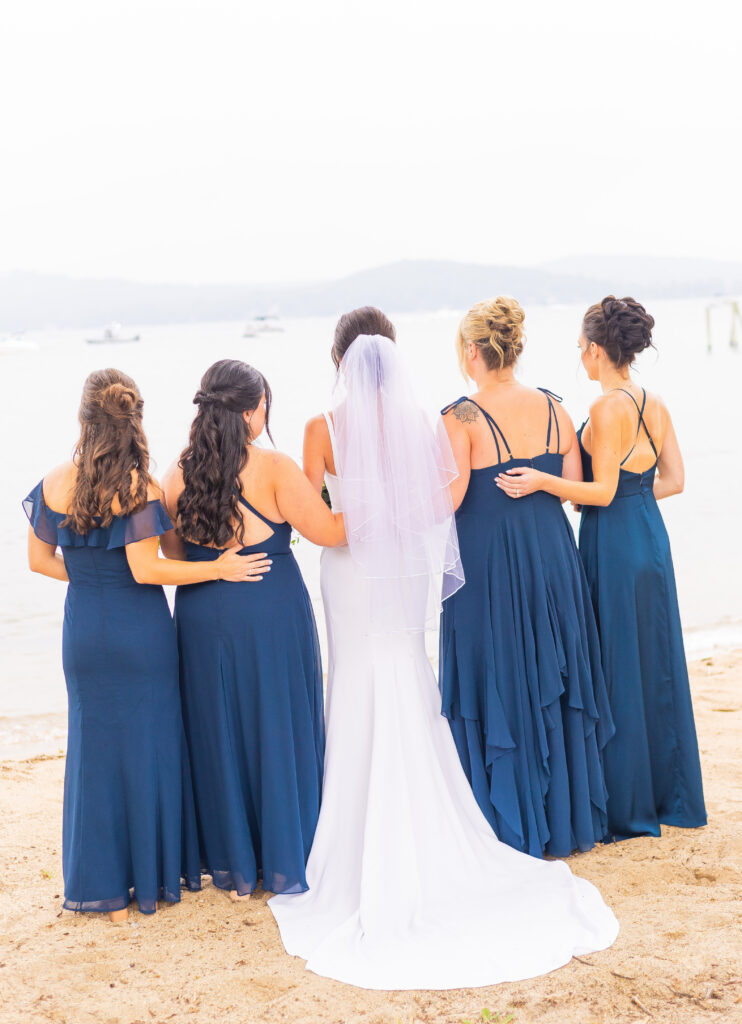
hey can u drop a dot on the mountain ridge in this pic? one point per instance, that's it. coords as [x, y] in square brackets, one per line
[32, 300]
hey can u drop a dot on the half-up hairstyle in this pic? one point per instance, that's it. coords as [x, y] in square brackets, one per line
[365, 320]
[111, 455]
[496, 328]
[620, 326]
[208, 507]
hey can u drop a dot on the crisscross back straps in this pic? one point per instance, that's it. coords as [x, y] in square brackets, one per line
[491, 423]
[243, 501]
[553, 418]
[640, 424]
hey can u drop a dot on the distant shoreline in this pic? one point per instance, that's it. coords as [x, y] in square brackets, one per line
[33, 301]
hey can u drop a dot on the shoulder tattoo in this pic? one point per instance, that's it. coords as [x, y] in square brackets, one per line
[466, 412]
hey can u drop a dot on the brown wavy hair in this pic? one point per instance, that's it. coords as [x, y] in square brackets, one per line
[217, 452]
[496, 328]
[111, 455]
[364, 320]
[622, 327]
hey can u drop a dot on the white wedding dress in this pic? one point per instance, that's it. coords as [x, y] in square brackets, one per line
[408, 886]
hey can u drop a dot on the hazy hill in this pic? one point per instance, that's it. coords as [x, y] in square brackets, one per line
[30, 301]
[654, 276]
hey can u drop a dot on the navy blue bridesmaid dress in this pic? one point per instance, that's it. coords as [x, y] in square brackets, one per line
[129, 826]
[520, 672]
[251, 685]
[653, 773]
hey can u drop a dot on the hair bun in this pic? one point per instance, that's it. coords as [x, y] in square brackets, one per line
[620, 326]
[119, 401]
[496, 328]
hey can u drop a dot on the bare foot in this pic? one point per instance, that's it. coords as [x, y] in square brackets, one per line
[118, 916]
[236, 898]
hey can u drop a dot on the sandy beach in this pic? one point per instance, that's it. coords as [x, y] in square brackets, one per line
[677, 959]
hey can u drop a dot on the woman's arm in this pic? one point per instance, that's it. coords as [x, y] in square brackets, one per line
[458, 435]
[301, 506]
[606, 438]
[43, 558]
[572, 463]
[313, 457]
[147, 566]
[670, 477]
[172, 484]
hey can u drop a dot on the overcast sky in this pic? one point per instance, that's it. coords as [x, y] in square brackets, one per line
[229, 140]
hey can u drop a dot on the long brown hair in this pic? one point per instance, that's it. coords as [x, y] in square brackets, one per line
[111, 455]
[217, 452]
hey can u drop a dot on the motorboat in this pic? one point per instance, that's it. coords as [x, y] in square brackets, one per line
[113, 335]
[265, 324]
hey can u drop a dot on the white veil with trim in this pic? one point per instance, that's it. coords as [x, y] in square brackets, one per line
[394, 470]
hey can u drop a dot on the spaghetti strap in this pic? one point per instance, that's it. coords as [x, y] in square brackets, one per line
[251, 508]
[640, 424]
[491, 423]
[552, 417]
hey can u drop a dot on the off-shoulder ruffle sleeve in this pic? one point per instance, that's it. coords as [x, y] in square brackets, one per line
[151, 521]
[44, 522]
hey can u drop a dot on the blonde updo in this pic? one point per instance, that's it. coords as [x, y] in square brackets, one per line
[496, 328]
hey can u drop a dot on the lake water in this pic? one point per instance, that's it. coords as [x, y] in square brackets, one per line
[38, 429]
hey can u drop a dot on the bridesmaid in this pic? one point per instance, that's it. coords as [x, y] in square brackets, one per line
[251, 678]
[631, 458]
[128, 815]
[520, 672]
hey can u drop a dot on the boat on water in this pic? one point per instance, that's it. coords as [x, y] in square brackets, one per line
[113, 335]
[268, 323]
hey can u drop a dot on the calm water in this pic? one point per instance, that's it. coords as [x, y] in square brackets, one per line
[40, 392]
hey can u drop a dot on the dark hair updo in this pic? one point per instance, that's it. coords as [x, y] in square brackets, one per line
[620, 326]
[365, 320]
[208, 507]
[111, 455]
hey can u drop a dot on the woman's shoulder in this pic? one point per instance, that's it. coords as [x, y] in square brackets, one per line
[464, 409]
[271, 461]
[617, 403]
[657, 402]
[58, 485]
[316, 430]
[317, 423]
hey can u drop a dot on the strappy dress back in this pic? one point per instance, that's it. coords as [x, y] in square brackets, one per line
[521, 680]
[629, 482]
[251, 680]
[652, 766]
[550, 461]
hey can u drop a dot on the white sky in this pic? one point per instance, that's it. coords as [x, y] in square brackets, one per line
[209, 140]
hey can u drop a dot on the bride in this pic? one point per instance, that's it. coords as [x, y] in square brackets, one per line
[409, 888]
